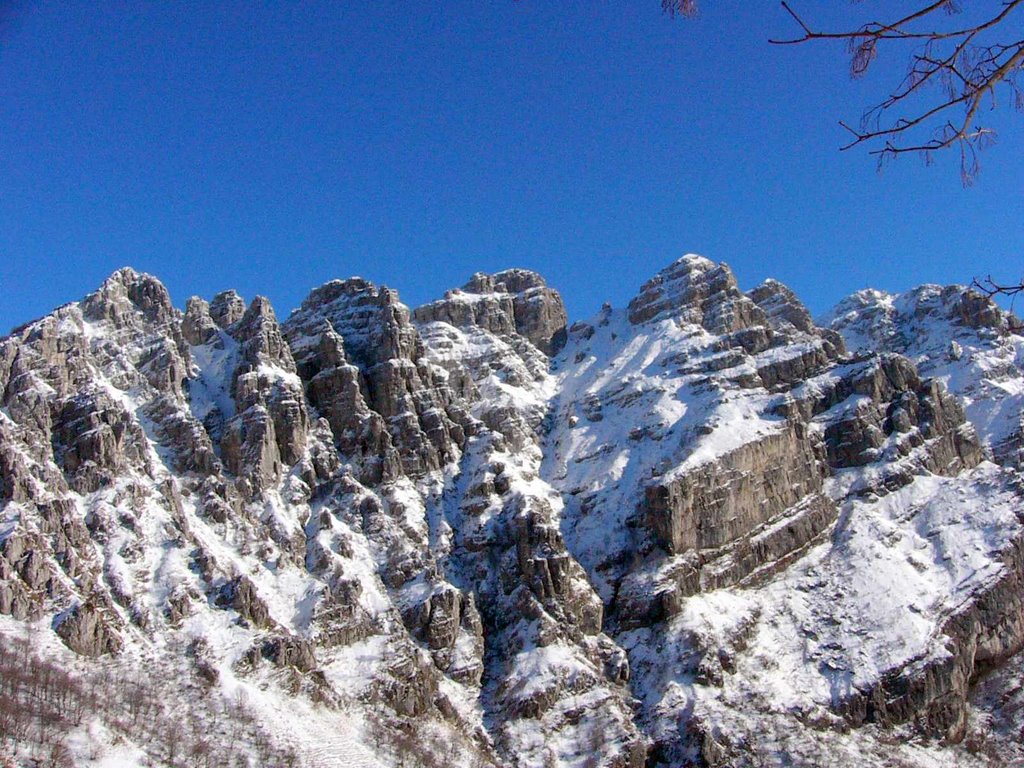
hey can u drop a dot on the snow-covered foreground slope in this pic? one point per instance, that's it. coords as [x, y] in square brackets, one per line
[697, 530]
[814, 645]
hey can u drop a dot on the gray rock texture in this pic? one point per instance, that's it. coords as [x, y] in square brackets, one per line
[696, 290]
[425, 425]
[514, 301]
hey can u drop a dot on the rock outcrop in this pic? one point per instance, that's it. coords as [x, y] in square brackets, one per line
[87, 630]
[425, 424]
[515, 301]
[696, 290]
[954, 334]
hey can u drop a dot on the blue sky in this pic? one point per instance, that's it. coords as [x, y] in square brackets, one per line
[270, 147]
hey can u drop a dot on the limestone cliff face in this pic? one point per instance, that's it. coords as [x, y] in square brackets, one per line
[515, 301]
[750, 431]
[702, 529]
[542, 619]
[268, 431]
[412, 403]
[695, 290]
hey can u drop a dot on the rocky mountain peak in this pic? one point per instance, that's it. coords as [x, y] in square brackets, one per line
[128, 291]
[227, 308]
[875, 319]
[515, 280]
[371, 319]
[782, 307]
[386, 384]
[513, 301]
[695, 290]
[879, 305]
[955, 335]
[518, 280]
[259, 335]
[481, 283]
[978, 311]
[197, 326]
[332, 290]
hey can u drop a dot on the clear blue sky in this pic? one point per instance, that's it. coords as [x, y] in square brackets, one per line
[270, 147]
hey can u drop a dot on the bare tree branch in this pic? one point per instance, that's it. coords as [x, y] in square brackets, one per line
[682, 7]
[952, 72]
[990, 287]
[964, 63]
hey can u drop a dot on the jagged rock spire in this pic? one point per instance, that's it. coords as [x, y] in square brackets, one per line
[513, 301]
[694, 289]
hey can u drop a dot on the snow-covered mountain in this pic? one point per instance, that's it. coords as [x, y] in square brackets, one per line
[698, 530]
[955, 336]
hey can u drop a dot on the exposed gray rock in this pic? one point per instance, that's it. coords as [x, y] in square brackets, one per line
[424, 499]
[883, 402]
[696, 290]
[425, 422]
[977, 311]
[878, 321]
[336, 389]
[339, 617]
[190, 443]
[957, 335]
[226, 309]
[290, 652]
[95, 439]
[249, 448]
[716, 503]
[933, 693]
[483, 308]
[539, 311]
[126, 292]
[785, 312]
[260, 339]
[513, 301]
[409, 688]
[783, 371]
[197, 326]
[90, 630]
[240, 595]
[269, 430]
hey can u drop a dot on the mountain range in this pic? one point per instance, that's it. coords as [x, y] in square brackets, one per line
[703, 529]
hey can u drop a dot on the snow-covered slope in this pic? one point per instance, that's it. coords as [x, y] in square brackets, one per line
[703, 442]
[699, 529]
[956, 336]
